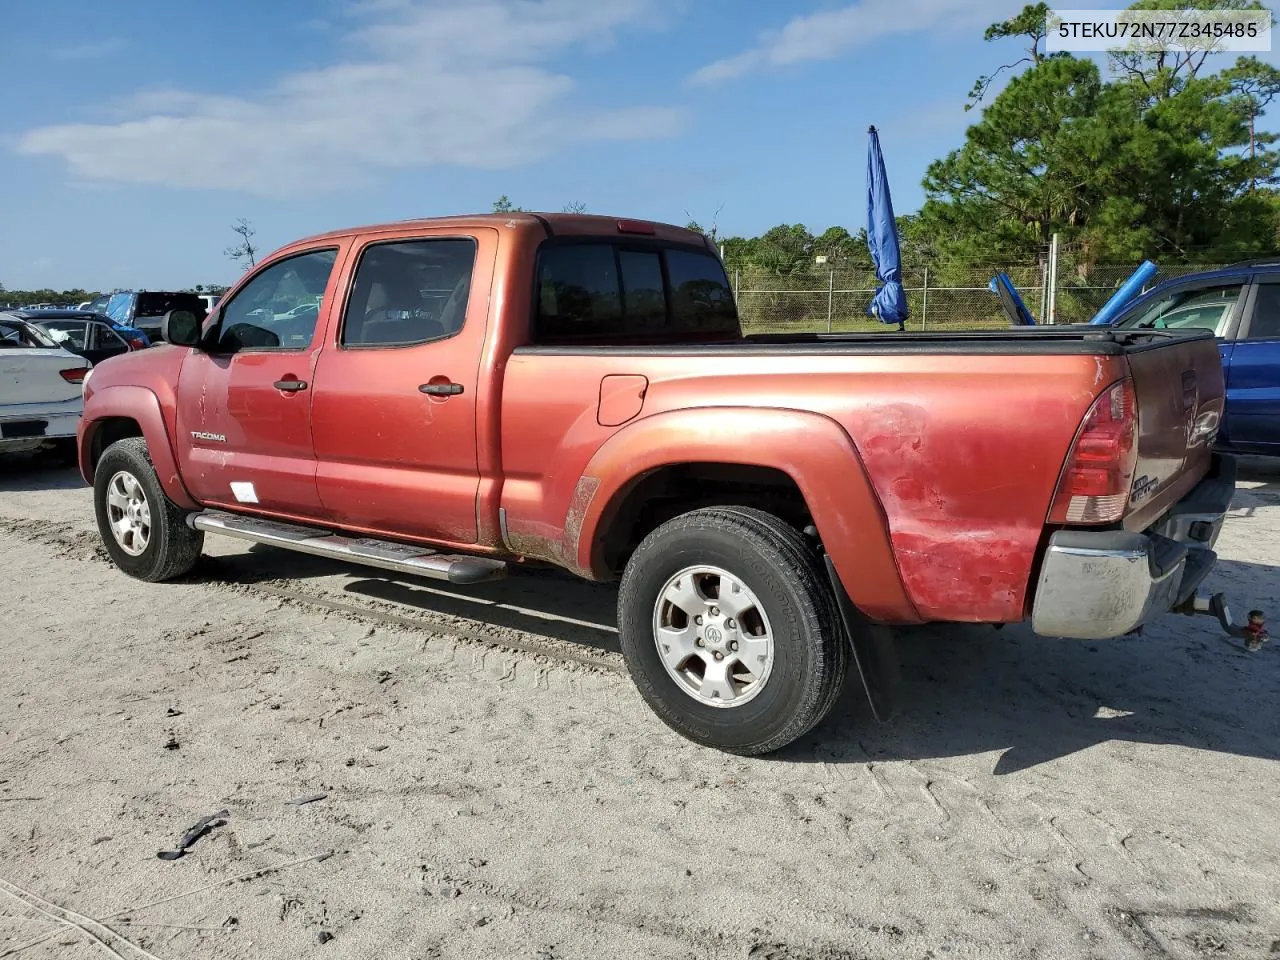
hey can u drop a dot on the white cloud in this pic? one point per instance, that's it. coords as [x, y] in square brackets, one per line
[459, 82]
[831, 33]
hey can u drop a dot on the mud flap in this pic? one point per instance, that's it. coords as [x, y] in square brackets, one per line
[874, 651]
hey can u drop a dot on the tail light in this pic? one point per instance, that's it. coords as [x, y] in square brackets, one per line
[1095, 484]
[136, 344]
[74, 374]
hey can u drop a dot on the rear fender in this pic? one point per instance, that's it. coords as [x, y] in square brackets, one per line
[142, 406]
[812, 449]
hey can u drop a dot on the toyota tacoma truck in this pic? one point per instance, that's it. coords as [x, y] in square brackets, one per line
[453, 398]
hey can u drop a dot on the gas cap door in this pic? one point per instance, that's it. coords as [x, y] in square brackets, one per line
[621, 398]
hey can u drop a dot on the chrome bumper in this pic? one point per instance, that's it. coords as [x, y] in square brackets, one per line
[1099, 584]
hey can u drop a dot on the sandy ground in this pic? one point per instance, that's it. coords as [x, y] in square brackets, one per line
[494, 787]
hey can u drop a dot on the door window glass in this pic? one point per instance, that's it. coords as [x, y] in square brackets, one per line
[278, 309]
[1266, 312]
[410, 291]
[1205, 308]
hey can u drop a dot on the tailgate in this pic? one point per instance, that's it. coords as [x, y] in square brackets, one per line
[1180, 392]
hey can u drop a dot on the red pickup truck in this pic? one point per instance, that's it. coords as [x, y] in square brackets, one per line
[451, 397]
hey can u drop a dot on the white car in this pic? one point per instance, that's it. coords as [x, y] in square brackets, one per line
[40, 389]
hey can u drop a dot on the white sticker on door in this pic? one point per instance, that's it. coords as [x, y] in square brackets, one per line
[244, 492]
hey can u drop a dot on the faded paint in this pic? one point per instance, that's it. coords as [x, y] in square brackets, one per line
[929, 475]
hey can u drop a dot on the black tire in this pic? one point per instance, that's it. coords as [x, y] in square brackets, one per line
[775, 562]
[171, 548]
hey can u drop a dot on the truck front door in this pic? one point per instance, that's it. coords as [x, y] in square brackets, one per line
[244, 398]
[395, 405]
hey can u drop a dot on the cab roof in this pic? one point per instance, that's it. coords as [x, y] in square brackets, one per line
[553, 224]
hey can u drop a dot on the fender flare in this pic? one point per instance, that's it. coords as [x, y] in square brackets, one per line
[813, 449]
[143, 407]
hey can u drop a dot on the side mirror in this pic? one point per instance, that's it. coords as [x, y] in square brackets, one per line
[181, 328]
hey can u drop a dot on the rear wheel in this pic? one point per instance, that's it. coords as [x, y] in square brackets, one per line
[730, 630]
[144, 531]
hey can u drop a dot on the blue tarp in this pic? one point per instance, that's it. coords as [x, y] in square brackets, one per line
[1128, 290]
[890, 302]
[1003, 288]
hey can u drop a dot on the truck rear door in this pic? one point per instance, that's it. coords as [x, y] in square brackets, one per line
[398, 386]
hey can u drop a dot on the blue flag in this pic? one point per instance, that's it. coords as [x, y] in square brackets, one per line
[889, 305]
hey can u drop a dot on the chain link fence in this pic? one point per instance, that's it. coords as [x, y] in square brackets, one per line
[950, 297]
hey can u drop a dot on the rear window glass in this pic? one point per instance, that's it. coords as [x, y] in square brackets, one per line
[613, 293]
[700, 294]
[15, 334]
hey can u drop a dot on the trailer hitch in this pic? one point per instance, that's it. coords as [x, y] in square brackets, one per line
[1253, 632]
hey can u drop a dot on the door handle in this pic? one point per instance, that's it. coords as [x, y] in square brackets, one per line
[440, 389]
[292, 386]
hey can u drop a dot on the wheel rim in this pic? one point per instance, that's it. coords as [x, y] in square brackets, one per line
[128, 513]
[713, 636]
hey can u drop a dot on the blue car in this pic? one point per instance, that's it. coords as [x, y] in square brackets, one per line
[1241, 305]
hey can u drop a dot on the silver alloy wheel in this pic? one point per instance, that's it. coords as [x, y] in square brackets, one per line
[713, 636]
[128, 513]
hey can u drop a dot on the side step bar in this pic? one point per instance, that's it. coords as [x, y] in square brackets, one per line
[384, 554]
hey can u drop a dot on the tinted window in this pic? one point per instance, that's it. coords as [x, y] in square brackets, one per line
[1206, 308]
[279, 307]
[644, 303]
[102, 337]
[607, 292]
[1266, 312]
[157, 304]
[700, 295]
[578, 292]
[409, 292]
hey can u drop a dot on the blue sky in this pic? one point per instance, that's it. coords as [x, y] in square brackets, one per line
[140, 129]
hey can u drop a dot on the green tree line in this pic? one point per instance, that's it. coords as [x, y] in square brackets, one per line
[1152, 156]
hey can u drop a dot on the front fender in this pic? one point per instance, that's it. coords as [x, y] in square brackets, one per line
[143, 407]
[812, 449]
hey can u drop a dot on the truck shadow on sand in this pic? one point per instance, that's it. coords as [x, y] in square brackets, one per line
[973, 689]
[545, 602]
[966, 689]
[33, 472]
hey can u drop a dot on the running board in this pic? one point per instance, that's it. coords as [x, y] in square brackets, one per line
[384, 554]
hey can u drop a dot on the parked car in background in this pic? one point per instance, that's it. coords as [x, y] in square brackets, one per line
[145, 309]
[94, 339]
[450, 398]
[1241, 305]
[40, 389]
[132, 336]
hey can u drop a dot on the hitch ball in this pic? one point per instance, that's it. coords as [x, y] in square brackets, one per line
[1255, 631]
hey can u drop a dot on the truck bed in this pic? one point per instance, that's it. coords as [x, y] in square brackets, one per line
[963, 437]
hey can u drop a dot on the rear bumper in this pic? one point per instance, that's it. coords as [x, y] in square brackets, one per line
[27, 425]
[1099, 584]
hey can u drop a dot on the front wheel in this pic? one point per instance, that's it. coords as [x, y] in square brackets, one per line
[730, 630]
[144, 531]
